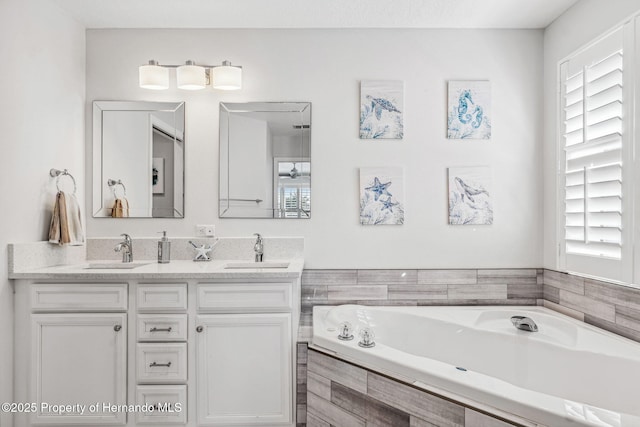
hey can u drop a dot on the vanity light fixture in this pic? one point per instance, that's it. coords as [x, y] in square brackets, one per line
[153, 76]
[191, 76]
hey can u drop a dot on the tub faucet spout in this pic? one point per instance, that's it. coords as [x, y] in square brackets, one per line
[524, 323]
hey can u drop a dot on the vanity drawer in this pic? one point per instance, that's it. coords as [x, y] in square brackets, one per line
[169, 403]
[162, 297]
[162, 327]
[235, 297]
[79, 297]
[161, 363]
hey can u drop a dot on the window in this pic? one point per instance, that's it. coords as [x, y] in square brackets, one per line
[596, 174]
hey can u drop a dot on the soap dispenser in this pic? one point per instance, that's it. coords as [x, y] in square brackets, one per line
[164, 249]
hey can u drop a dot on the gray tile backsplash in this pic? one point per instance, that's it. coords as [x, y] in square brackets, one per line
[615, 308]
[420, 287]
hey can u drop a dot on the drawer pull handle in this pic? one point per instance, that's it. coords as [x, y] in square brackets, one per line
[154, 364]
[117, 328]
[199, 329]
[154, 329]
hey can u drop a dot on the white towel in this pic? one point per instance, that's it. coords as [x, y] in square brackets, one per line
[66, 222]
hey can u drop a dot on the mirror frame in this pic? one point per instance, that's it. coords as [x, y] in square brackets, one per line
[99, 107]
[245, 107]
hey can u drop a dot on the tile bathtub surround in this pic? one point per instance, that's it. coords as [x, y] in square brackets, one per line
[420, 287]
[342, 394]
[608, 306]
[229, 248]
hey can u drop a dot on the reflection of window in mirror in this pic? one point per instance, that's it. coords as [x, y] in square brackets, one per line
[292, 187]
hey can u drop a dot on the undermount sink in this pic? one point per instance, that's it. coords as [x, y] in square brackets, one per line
[114, 265]
[249, 264]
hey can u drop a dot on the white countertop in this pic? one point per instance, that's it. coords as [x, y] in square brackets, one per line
[178, 269]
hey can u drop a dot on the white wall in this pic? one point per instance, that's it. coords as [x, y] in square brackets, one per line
[42, 121]
[325, 68]
[579, 25]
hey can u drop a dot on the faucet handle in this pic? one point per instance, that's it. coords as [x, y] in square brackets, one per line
[258, 237]
[366, 338]
[346, 331]
[127, 238]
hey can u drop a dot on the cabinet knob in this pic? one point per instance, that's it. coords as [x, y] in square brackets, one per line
[199, 329]
[117, 328]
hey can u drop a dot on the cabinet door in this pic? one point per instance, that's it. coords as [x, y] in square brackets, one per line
[244, 369]
[78, 360]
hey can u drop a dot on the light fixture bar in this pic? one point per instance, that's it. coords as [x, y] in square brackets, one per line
[191, 76]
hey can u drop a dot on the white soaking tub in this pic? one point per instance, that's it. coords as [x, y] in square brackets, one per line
[566, 374]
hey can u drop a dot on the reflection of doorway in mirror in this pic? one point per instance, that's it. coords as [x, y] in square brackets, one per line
[157, 175]
[292, 187]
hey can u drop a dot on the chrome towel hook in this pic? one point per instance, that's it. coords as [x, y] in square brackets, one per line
[112, 183]
[57, 173]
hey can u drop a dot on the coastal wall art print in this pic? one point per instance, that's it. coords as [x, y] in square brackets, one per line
[381, 196]
[470, 201]
[381, 109]
[469, 111]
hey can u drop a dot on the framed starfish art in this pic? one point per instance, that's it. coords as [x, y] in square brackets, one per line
[381, 109]
[381, 196]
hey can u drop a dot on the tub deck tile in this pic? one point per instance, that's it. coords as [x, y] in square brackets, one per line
[476, 419]
[479, 292]
[415, 402]
[368, 277]
[358, 292]
[417, 422]
[319, 385]
[613, 327]
[447, 277]
[524, 291]
[588, 305]
[333, 414]
[564, 281]
[313, 421]
[613, 294]
[338, 371]
[417, 292]
[551, 293]
[628, 318]
[376, 413]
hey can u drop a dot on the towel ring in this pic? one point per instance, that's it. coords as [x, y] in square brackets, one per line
[59, 174]
[112, 183]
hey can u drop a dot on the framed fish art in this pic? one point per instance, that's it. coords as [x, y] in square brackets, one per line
[381, 196]
[381, 109]
[470, 201]
[469, 111]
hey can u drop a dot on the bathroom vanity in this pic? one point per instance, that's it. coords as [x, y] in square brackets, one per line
[206, 344]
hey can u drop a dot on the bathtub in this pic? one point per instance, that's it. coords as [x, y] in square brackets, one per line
[566, 374]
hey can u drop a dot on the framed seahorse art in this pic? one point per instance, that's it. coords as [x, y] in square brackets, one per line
[469, 111]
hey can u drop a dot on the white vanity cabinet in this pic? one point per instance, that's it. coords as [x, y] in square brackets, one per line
[78, 354]
[214, 350]
[244, 353]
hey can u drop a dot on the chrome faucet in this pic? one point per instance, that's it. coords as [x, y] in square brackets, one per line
[258, 248]
[126, 247]
[524, 323]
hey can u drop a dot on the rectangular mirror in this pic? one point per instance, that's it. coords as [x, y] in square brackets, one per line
[265, 160]
[138, 159]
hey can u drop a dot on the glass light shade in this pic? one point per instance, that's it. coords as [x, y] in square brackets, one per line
[191, 77]
[227, 77]
[153, 76]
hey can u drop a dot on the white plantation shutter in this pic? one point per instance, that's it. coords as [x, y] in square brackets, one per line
[595, 145]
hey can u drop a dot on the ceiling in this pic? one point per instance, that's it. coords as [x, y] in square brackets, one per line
[315, 13]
